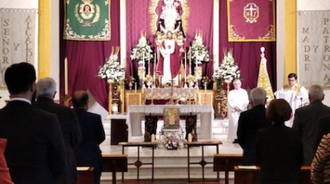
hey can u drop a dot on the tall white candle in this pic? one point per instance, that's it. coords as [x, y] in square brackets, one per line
[190, 63]
[135, 86]
[185, 66]
[65, 76]
[154, 68]
[149, 66]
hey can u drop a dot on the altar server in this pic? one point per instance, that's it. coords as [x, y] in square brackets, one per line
[238, 101]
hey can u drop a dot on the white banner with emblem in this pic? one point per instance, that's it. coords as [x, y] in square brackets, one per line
[313, 48]
[18, 38]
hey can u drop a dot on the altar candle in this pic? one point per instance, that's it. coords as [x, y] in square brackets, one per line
[153, 138]
[189, 137]
[205, 86]
[185, 66]
[154, 69]
[190, 63]
[149, 66]
[135, 87]
[65, 76]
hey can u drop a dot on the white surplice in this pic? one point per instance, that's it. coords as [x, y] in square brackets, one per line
[236, 98]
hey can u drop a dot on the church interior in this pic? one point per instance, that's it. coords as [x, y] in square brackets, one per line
[160, 71]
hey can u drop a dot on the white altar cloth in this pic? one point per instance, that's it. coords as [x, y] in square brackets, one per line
[136, 112]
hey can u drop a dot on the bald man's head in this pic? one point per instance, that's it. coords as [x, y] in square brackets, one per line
[80, 99]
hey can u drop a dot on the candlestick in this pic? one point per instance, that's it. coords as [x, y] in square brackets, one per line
[205, 86]
[65, 76]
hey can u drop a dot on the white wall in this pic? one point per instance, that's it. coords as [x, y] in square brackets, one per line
[303, 5]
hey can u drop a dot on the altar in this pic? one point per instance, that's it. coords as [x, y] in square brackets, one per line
[136, 112]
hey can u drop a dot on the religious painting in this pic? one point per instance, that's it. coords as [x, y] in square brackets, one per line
[171, 118]
[252, 20]
[87, 20]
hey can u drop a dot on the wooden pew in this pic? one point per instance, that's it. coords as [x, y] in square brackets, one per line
[251, 176]
[85, 175]
[226, 163]
[114, 163]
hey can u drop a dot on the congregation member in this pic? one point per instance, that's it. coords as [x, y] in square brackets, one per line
[249, 123]
[279, 150]
[4, 171]
[320, 168]
[306, 120]
[323, 128]
[46, 91]
[238, 101]
[35, 149]
[89, 153]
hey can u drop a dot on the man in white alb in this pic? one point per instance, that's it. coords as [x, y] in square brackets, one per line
[238, 101]
[295, 94]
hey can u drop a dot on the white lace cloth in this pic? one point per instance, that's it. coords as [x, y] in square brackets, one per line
[136, 112]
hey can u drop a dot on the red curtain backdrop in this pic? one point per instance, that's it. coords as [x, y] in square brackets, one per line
[247, 54]
[138, 19]
[85, 57]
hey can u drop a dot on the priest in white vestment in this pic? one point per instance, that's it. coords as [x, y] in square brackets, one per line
[238, 101]
[295, 94]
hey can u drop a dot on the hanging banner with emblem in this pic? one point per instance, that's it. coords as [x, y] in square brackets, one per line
[87, 20]
[252, 20]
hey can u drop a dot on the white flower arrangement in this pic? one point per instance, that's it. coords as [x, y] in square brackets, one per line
[198, 52]
[111, 70]
[228, 70]
[142, 50]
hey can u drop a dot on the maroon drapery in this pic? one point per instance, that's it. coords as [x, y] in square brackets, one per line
[138, 19]
[85, 57]
[247, 54]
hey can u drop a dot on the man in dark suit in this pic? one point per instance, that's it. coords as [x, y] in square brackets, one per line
[249, 123]
[35, 150]
[306, 118]
[323, 128]
[46, 90]
[89, 153]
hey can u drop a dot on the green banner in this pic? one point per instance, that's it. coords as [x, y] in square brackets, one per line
[87, 20]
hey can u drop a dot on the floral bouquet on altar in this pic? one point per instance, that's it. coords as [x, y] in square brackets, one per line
[170, 141]
[228, 70]
[111, 70]
[198, 52]
[142, 50]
